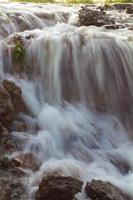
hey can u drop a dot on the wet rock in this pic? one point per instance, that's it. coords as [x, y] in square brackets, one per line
[11, 188]
[11, 165]
[27, 161]
[19, 172]
[111, 26]
[18, 39]
[130, 28]
[19, 126]
[129, 10]
[16, 162]
[88, 17]
[6, 163]
[18, 191]
[108, 7]
[6, 108]
[11, 102]
[16, 95]
[122, 6]
[100, 190]
[6, 141]
[101, 8]
[5, 192]
[3, 131]
[58, 188]
[121, 164]
[7, 144]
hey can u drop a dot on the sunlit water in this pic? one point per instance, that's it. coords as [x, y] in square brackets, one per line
[77, 84]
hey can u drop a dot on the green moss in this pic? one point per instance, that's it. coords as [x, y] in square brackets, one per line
[19, 53]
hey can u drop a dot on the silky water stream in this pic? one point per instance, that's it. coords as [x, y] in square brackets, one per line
[77, 83]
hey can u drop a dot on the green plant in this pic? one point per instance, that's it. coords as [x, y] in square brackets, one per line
[19, 53]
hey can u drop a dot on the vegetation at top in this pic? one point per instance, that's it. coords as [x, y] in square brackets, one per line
[77, 1]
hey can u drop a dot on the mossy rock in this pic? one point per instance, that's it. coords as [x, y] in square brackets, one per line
[19, 53]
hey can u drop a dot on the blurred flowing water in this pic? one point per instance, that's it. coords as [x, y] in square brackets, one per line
[77, 84]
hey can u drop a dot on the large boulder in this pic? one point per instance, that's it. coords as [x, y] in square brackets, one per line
[11, 102]
[58, 188]
[89, 16]
[100, 190]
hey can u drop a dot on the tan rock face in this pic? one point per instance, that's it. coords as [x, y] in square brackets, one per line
[11, 102]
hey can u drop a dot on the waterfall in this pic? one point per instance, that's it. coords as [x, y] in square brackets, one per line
[77, 84]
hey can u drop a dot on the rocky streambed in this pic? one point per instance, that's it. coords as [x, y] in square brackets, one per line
[50, 147]
[13, 167]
